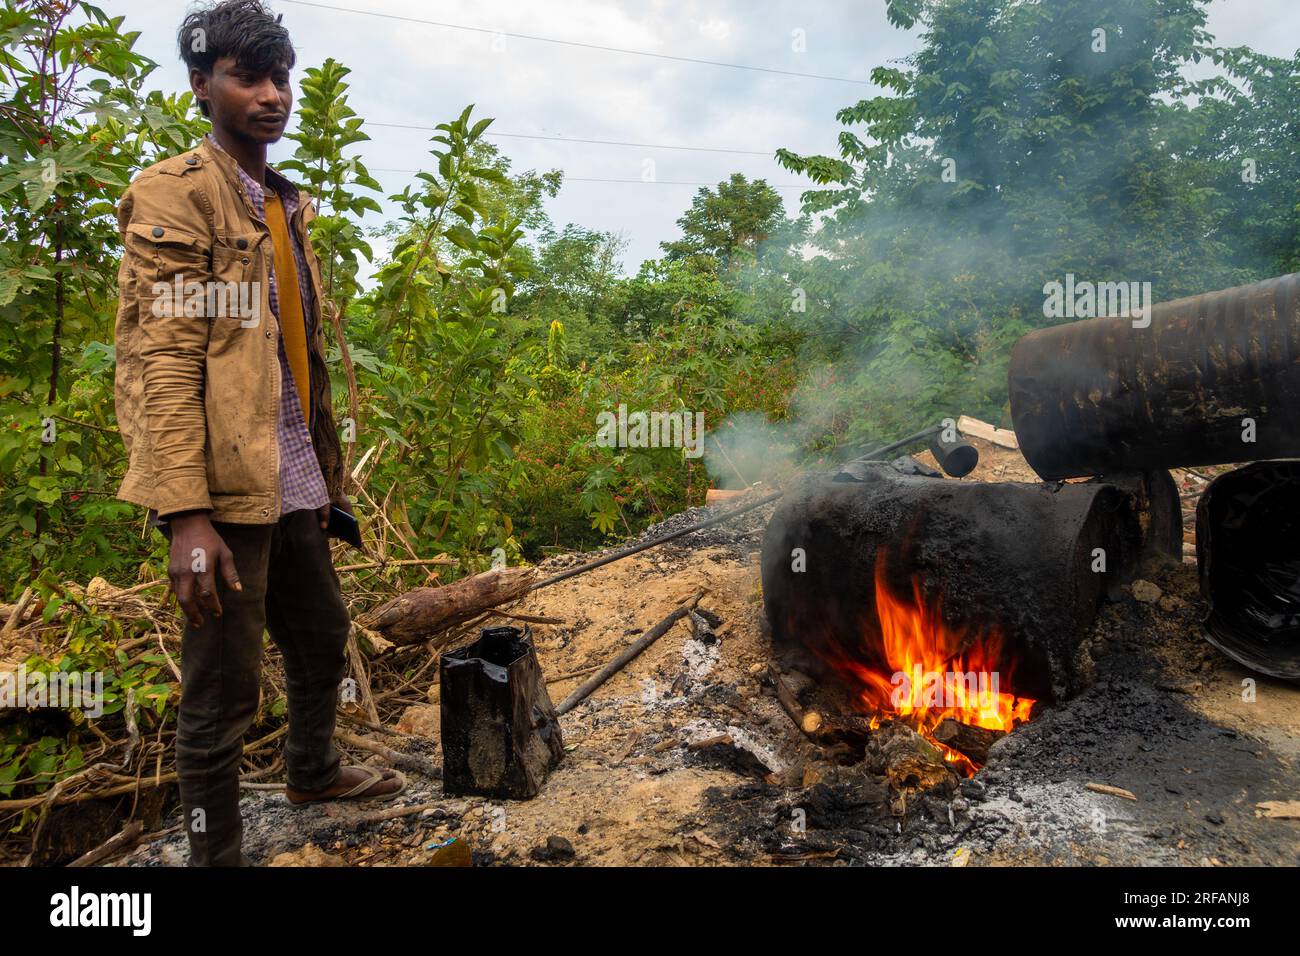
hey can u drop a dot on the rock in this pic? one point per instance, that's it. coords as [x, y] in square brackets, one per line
[560, 848]
[100, 589]
[421, 720]
[1172, 603]
[557, 849]
[453, 853]
[309, 855]
[1146, 592]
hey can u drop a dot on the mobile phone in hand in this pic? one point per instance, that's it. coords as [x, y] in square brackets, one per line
[344, 527]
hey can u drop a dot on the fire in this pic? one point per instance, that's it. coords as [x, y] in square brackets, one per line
[928, 671]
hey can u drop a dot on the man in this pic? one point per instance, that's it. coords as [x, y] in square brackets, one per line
[223, 399]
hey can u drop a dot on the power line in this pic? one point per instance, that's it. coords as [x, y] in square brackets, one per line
[585, 46]
[598, 142]
[585, 179]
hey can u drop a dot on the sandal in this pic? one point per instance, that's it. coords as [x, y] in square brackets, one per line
[358, 792]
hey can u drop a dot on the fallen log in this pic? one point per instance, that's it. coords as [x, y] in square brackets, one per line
[966, 739]
[429, 613]
[126, 838]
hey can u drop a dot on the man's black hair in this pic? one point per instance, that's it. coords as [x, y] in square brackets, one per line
[243, 29]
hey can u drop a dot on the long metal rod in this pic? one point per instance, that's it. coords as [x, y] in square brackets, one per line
[631, 651]
[922, 435]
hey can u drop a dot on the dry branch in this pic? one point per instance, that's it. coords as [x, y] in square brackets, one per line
[618, 663]
[404, 761]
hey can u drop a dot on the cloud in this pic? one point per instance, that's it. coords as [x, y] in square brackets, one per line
[406, 72]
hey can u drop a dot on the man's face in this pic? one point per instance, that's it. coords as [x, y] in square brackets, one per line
[247, 105]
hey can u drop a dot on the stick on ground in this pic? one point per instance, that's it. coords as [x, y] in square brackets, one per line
[618, 663]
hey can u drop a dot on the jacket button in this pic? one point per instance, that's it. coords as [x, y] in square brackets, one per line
[244, 260]
[268, 333]
[264, 512]
[193, 161]
[241, 244]
[157, 232]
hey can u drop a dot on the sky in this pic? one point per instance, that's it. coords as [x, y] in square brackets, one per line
[418, 74]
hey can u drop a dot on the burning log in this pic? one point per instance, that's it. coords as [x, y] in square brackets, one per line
[427, 612]
[909, 761]
[1103, 395]
[974, 742]
[844, 734]
[1247, 526]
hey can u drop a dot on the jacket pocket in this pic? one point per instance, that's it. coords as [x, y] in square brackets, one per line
[163, 255]
[238, 275]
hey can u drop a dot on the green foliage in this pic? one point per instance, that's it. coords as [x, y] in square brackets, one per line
[74, 125]
[326, 127]
[445, 392]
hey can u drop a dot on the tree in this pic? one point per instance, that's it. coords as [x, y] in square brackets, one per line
[733, 218]
[1239, 140]
[1021, 142]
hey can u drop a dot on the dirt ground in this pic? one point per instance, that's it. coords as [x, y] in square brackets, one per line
[685, 757]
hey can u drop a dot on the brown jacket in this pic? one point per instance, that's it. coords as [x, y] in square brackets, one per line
[198, 382]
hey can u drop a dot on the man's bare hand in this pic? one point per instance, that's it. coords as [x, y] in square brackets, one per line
[198, 555]
[323, 512]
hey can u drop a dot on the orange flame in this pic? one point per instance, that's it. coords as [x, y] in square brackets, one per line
[932, 671]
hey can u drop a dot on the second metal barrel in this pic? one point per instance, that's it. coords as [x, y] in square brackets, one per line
[1209, 374]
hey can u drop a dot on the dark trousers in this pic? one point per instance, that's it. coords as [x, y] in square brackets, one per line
[290, 589]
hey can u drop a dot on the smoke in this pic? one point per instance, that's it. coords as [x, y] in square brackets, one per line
[1055, 152]
[747, 449]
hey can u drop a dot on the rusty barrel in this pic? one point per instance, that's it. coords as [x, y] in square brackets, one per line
[1100, 396]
